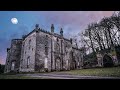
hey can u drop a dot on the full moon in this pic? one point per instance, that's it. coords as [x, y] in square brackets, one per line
[14, 20]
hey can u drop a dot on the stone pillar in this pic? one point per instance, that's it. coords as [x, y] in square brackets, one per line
[52, 54]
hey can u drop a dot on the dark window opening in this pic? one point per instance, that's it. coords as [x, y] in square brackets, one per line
[28, 61]
[29, 43]
[46, 50]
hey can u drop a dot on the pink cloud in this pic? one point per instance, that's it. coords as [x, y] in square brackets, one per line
[74, 22]
[75, 19]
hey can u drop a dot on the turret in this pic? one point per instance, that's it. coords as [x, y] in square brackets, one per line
[37, 26]
[61, 32]
[52, 28]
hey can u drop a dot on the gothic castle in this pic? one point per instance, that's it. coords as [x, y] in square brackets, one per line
[43, 51]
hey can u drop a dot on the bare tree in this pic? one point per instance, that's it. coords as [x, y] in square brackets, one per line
[106, 23]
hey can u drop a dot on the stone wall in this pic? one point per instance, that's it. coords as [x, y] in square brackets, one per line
[28, 53]
[43, 52]
[7, 64]
[67, 51]
[77, 58]
[13, 56]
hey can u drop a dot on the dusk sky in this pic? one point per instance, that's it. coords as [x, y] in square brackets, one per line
[72, 23]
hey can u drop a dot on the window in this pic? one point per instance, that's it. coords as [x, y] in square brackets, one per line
[58, 47]
[28, 61]
[46, 63]
[13, 66]
[29, 43]
[46, 50]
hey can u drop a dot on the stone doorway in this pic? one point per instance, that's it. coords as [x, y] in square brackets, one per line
[107, 61]
[57, 64]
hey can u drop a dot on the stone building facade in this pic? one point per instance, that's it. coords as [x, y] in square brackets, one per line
[43, 51]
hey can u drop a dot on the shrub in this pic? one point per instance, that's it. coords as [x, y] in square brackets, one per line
[2, 68]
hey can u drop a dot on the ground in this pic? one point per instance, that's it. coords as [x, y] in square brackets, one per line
[96, 73]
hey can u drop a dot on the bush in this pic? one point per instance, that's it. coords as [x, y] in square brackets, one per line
[2, 68]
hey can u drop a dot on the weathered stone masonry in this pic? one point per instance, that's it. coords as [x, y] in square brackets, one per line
[43, 51]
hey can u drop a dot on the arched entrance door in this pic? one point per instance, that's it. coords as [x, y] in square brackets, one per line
[57, 64]
[107, 61]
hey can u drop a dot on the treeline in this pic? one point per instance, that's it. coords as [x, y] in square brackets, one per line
[103, 34]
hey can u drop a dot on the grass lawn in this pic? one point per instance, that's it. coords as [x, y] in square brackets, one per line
[109, 72]
[113, 72]
[17, 77]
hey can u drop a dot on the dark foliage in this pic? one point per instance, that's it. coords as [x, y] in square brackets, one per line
[2, 68]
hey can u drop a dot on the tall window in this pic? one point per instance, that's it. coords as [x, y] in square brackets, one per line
[58, 47]
[13, 66]
[29, 43]
[46, 50]
[28, 61]
[46, 45]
